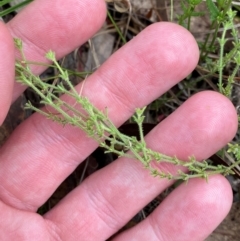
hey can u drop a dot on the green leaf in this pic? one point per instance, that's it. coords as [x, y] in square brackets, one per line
[13, 8]
[213, 10]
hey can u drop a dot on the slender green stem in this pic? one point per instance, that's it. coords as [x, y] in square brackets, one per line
[117, 28]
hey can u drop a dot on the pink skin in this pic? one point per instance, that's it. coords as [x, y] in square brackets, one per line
[7, 76]
[41, 154]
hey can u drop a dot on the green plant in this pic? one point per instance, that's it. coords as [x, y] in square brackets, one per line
[98, 126]
[221, 17]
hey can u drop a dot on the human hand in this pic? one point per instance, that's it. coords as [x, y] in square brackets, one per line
[40, 154]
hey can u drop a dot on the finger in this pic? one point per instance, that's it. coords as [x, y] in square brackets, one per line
[191, 212]
[45, 153]
[7, 70]
[113, 195]
[20, 225]
[59, 25]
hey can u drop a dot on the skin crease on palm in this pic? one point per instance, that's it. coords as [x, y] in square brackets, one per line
[40, 154]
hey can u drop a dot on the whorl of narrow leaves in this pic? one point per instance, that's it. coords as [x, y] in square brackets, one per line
[235, 150]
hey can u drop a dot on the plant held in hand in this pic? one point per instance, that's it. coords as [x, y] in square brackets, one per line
[96, 124]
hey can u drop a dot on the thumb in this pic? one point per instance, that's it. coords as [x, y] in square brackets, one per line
[6, 70]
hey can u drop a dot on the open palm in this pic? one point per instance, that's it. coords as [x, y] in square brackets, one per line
[40, 154]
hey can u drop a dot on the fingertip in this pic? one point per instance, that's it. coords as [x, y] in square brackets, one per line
[152, 62]
[220, 112]
[6, 69]
[213, 197]
[176, 46]
[204, 124]
[208, 202]
[196, 208]
[191, 212]
[222, 187]
[102, 9]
